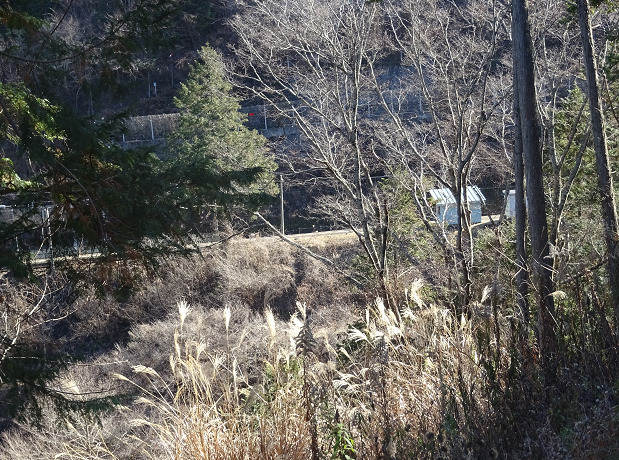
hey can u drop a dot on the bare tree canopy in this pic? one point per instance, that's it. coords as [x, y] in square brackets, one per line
[385, 90]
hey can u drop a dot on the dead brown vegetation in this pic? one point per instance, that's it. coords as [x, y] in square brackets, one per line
[219, 365]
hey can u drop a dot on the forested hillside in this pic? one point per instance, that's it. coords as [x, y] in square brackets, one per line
[158, 156]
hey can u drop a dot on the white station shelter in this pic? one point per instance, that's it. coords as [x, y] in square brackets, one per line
[445, 204]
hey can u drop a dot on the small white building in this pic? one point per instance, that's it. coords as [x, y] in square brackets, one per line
[510, 205]
[445, 204]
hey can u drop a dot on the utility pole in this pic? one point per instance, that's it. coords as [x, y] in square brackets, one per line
[281, 202]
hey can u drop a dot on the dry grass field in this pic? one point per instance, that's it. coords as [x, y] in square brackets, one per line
[256, 351]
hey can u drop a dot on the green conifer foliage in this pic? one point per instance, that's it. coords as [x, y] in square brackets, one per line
[66, 179]
[211, 132]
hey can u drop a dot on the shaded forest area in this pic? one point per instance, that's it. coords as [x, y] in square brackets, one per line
[155, 306]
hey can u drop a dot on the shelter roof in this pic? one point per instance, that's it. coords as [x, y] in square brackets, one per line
[444, 195]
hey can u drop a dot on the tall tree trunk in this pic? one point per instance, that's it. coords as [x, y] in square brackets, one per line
[462, 262]
[522, 287]
[526, 98]
[605, 183]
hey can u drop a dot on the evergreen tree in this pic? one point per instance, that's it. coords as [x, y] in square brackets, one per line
[211, 133]
[530, 134]
[598, 128]
[131, 205]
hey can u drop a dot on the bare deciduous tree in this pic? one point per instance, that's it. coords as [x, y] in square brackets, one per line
[311, 61]
[415, 92]
[460, 71]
